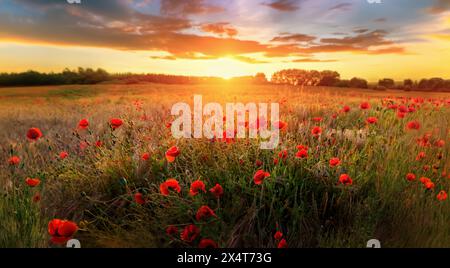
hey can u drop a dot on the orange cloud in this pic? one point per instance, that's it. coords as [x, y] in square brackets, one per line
[221, 28]
[283, 5]
[293, 38]
[183, 7]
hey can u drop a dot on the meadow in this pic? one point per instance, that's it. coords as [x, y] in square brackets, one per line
[353, 165]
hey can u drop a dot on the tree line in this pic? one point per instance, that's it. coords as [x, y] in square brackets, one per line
[295, 77]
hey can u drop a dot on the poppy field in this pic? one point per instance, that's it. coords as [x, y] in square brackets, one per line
[98, 163]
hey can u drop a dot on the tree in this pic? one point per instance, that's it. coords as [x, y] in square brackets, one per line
[356, 82]
[260, 78]
[329, 78]
[387, 83]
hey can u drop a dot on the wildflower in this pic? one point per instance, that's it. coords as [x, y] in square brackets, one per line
[345, 179]
[204, 212]
[32, 182]
[172, 154]
[365, 106]
[115, 123]
[442, 196]
[196, 187]
[83, 124]
[259, 176]
[139, 198]
[14, 160]
[217, 190]
[346, 109]
[410, 177]
[372, 120]
[413, 125]
[302, 154]
[61, 230]
[420, 156]
[282, 244]
[145, 156]
[207, 243]
[63, 155]
[36, 197]
[281, 125]
[171, 230]
[34, 134]
[190, 233]
[169, 184]
[278, 235]
[334, 162]
[316, 131]
[99, 144]
[258, 163]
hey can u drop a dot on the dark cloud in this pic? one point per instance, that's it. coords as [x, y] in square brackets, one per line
[439, 6]
[341, 7]
[283, 5]
[286, 37]
[374, 38]
[380, 20]
[221, 28]
[191, 7]
[361, 30]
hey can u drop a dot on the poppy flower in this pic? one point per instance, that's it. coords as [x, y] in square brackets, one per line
[139, 198]
[36, 197]
[346, 109]
[207, 243]
[283, 154]
[83, 124]
[115, 123]
[258, 163]
[217, 190]
[401, 115]
[275, 161]
[440, 143]
[171, 230]
[410, 177]
[302, 154]
[334, 162]
[34, 134]
[424, 180]
[282, 244]
[302, 147]
[63, 155]
[169, 184]
[145, 156]
[32, 182]
[259, 176]
[317, 119]
[61, 230]
[372, 120]
[278, 235]
[281, 125]
[420, 156]
[83, 145]
[429, 185]
[14, 160]
[442, 196]
[413, 125]
[316, 131]
[196, 187]
[99, 144]
[172, 154]
[204, 212]
[345, 179]
[365, 106]
[190, 233]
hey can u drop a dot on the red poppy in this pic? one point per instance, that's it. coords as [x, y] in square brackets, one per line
[32, 182]
[429, 185]
[278, 235]
[63, 155]
[99, 143]
[345, 179]
[346, 109]
[334, 162]
[139, 198]
[413, 125]
[283, 154]
[83, 124]
[440, 143]
[172, 154]
[317, 119]
[258, 163]
[259, 176]
[281, 125]
[302, 147]
[14, 160]
[204, 212]
[207, 243]
[169, 184]
[316, 131]
[282, 244]
[190, 233]
[196, 187]
[83, 145]
[365, 106]
[145, 156]
[36, 197]
[61, 230]
[401, 115]
[420, 156]
[442, 196]
[171, 230]
[302, 154]
[410, 177]
[372, 120]
[34, 134]
[217, 190]
[115, 123]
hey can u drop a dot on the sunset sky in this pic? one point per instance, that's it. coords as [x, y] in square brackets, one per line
[396, 38]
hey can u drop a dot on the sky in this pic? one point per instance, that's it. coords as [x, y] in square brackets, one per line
[358, 38]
